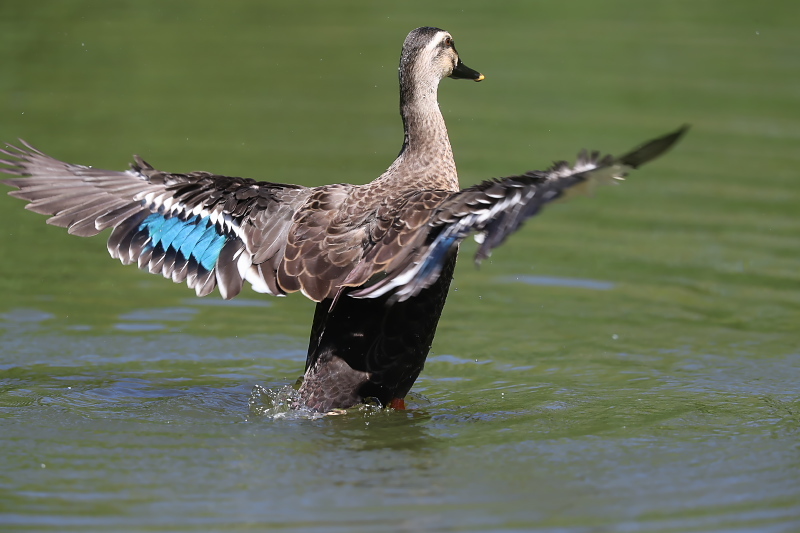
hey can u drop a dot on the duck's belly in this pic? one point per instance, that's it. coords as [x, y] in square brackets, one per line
[366, 348]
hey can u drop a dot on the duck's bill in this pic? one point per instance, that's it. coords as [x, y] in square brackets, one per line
[463, 72]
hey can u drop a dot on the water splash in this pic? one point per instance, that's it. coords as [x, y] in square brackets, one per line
[282, 403]
[277, 403]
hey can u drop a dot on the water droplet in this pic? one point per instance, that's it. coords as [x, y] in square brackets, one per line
[615, 336]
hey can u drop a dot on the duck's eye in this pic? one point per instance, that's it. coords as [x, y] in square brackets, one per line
[448, 41]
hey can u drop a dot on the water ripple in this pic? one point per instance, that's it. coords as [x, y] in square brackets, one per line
[554, 281]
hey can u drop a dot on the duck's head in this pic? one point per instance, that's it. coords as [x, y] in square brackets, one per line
[429, 55]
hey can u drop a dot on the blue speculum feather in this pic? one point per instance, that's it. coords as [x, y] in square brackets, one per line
[436, 256]
[194, 238]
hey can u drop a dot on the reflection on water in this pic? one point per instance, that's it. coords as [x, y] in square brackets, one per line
[553, 281]
[20, 316]
[177, 418]
[218, 302]
[154, 319]
[169, 314]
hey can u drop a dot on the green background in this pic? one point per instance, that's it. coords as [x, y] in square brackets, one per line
[665, 403]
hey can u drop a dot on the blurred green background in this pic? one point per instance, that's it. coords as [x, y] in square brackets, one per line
[308, 95]
[668, 402]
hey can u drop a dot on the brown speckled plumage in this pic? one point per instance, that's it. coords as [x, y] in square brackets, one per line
[378, 258]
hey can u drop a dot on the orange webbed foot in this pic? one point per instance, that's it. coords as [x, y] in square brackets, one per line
[398, 403]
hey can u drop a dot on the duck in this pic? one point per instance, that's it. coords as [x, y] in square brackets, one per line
[377, 259]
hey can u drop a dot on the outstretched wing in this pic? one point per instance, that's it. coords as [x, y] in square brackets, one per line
[204, 229]
[496, 208]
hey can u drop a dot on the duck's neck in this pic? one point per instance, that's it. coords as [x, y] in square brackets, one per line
[426, 159]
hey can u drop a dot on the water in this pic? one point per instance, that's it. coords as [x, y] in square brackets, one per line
[627, 362]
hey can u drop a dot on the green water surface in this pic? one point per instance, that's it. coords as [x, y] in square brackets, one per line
[627, 362]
